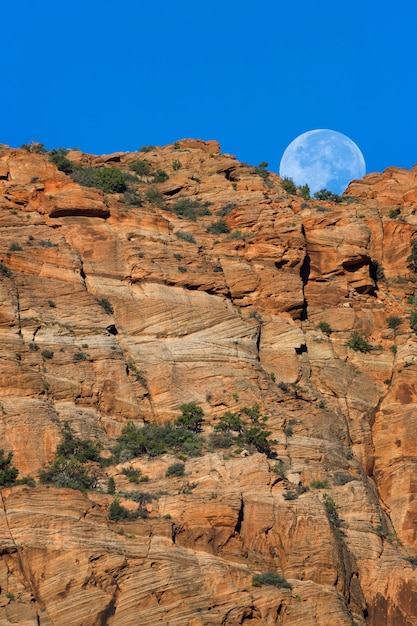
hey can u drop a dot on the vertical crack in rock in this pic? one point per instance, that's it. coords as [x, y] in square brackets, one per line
[304, 275]
[240, 516]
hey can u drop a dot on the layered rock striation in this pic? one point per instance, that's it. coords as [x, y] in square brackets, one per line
[205, 282]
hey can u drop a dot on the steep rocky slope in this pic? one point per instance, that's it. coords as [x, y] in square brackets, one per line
[115, 308]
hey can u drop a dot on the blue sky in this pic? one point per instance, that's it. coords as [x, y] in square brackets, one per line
[107, 76]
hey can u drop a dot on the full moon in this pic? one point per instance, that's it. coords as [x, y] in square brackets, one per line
[322, 159]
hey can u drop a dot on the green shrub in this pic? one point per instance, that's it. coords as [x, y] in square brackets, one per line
[140, 167]
[218, 228]
[320, 484]
[186, 208]
[67, 472]
[34, 147]
[15, 247]
[132, 474]
[358, 343]
[154, 196]
[176, 164]
[246, 428]
[185, 236]
[279, 469]
[118, 513]
[331, 510]
[79, 356]
[325, 194]
[289, 186]
[393, 213]
[59, 158]
[394, 321]
[111, 486]
[5, 271]
[8, 473]
[176, 469]
[290, 495]
[72, 446]
[108, 179]
[305, 192]
[271, 578]
[160, 176]
[156, 439]
[47, 354]
[105, 304]
[224, 211]
[147, 149]
[68, 469]
[325, 328]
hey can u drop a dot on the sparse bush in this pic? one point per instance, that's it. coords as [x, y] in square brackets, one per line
[325, 328]
[185, 236]
[394, 321]
[224, 211]
[132, 474]
[271, 578]
[176, 469]
[15, 247]
[105, 304]
[279, 469]
[187, 208]
[5, 271]
[176, 164]
[154, 196]
[79, 356]
[160, 176]
[147, 149]
[47, 354]
[320, 484]
[358, 343]
[219, 227]
[33, 346]
[393, 213]
[290, 495]
[305, 192]
[34, 147]
[141, 168]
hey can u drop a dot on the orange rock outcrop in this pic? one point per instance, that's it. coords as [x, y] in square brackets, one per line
[116, 309]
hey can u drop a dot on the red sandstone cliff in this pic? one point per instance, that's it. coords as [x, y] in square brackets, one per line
[224, 320]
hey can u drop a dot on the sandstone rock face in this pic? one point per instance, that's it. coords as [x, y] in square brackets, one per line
[119, 308]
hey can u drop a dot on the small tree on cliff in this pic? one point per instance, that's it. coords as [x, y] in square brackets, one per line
[8, 473]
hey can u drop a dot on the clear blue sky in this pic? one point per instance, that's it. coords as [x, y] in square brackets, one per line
[107, 76]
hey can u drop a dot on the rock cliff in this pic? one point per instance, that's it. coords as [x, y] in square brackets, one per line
[200, 280]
